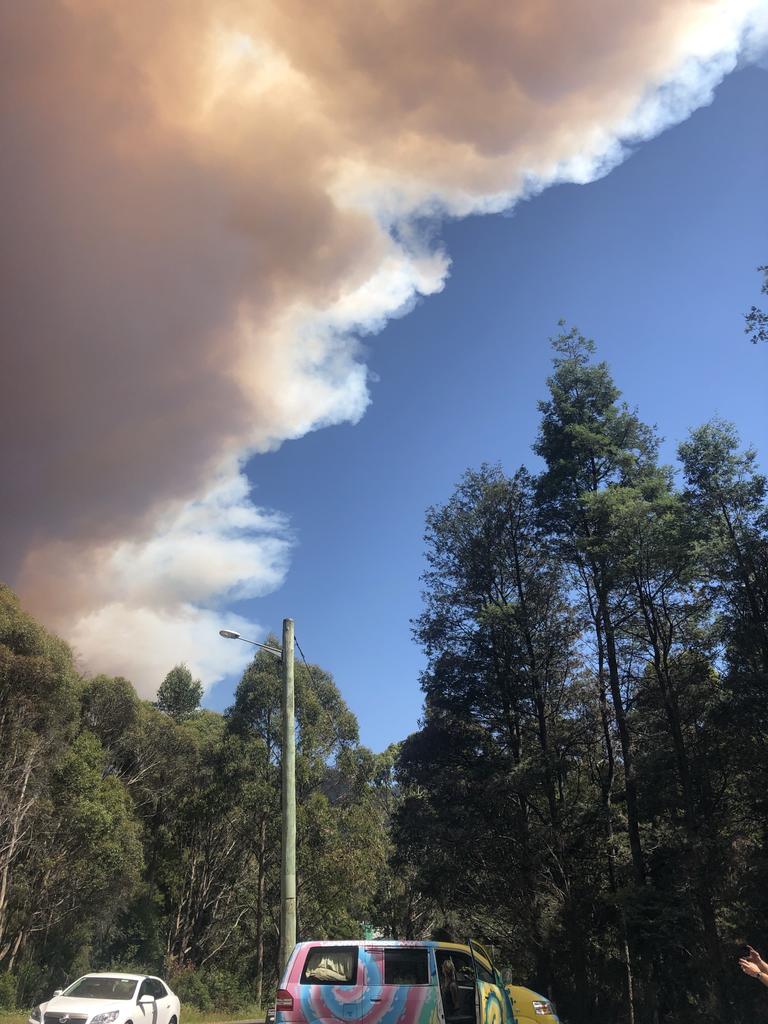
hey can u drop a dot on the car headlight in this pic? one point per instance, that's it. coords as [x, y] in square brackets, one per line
[105, 1018]
[541, 1006]
[35, 1014]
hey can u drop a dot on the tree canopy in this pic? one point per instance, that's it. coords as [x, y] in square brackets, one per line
[587, 790]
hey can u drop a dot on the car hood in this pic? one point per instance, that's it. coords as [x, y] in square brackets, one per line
[71, 1004]
[522, 1004]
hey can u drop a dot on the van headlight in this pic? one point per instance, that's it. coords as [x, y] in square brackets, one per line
[35, 1014]
[105, 1018]
[541, 1006]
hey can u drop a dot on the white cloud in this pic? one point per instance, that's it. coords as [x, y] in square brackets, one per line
[155, 602]
[144, 643]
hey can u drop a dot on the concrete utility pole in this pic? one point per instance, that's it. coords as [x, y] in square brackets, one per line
[288, 847]
[288, 757]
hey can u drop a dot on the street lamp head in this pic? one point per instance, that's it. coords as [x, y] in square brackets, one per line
[230, 634]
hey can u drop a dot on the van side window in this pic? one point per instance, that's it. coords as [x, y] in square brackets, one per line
[406, 967]
[330, 965]
[484, 973]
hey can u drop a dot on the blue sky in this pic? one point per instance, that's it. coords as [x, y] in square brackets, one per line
[656, 262]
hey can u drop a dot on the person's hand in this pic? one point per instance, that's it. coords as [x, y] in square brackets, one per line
[750, 968]
[755, 958]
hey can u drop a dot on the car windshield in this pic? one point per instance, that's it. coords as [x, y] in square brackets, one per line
[95, 987]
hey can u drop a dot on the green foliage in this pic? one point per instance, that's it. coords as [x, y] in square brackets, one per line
[179, 694]
[756, 320]
[110, 708]
[189, 986]
[588, 440]
[148, 837]
[227, 990]
[587, 788]
[8, 986]
[214, 993]
[39, 697]
[101, 845]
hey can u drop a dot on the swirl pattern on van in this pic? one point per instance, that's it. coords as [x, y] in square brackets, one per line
[493, 1012]
[370, 1001]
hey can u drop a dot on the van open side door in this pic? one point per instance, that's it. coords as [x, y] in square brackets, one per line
[491, 1004]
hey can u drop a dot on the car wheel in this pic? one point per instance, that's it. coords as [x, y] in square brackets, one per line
[173, 1021]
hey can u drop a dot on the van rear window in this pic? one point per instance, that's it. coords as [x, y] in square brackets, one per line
[330, 965]
[406, 967]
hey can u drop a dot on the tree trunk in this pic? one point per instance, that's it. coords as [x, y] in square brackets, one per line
[630, 782]
[607, 795]
[20, 810]
[660, 641]
[260, 891]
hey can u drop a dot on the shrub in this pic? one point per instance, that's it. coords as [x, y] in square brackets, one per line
[189, 986]
[8, 991]
[226, 990]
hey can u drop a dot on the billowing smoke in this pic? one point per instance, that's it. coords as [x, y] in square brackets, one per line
[206, 203]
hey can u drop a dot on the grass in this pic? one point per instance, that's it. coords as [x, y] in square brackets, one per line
[13, 1017]
[189, 1015]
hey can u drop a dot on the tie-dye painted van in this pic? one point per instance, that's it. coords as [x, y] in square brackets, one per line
[387, 982]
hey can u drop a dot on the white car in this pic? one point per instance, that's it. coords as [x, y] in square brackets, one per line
[110, 999]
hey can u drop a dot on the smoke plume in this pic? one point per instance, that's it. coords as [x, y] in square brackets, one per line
[207, 202]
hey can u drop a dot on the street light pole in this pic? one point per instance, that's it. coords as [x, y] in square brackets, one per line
[288, 846]
[288, 787]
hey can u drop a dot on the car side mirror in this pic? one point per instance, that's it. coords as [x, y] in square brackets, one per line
[57, 992]
[146, 1000]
